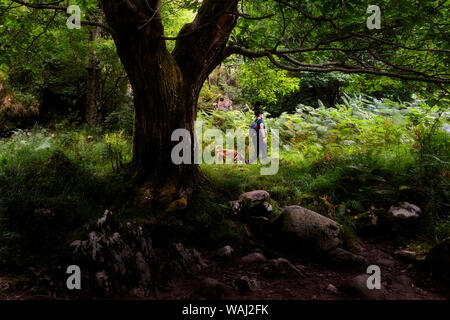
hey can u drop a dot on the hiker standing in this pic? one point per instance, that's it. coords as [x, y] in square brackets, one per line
[257, 132]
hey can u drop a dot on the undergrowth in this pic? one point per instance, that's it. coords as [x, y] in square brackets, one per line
[337, 161]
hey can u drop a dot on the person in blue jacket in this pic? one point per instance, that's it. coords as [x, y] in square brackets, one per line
[257, 132]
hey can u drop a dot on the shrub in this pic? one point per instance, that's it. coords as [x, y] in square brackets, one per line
[50, 186]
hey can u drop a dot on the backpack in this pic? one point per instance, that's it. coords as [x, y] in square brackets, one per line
[254, 125]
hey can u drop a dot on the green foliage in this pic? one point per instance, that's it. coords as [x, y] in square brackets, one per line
[208, 96]
[117, 148]
[175, 17]
[341, 161]
[411, 24]
[45, 63]
[121, 118]
[381, 87]
[51, 184]
[338, 161]
[442, 230]
[207, 220]
[326, 88]
[261, 83]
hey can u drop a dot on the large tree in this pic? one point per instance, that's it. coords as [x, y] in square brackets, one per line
[313, 36]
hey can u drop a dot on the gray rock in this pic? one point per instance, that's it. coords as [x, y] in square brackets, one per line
[332, 288]
[253, 258]
[345, 260]
[106, 219]
[357, 287]
[235, 206]
[212, 289]
[226, 252]
[385, 262]
[409, 256]
[245, 285]
[281, 267]
[268, 206]
[253, 203]
[405, 210]
[309, 228]
[256, 195]
[183, 262]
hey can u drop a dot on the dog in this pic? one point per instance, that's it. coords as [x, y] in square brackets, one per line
[231, 154]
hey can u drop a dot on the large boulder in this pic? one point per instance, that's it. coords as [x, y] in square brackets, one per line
[357, 288]
[438, 259]
[308, 229]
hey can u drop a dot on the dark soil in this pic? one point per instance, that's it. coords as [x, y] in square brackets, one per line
[400, 280]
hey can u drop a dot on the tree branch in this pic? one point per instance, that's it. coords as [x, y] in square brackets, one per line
[41, 6]
[198, 56]
[248, 17]
[330, 66]
[62, 8]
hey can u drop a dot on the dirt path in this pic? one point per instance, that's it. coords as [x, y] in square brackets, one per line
[400, 280]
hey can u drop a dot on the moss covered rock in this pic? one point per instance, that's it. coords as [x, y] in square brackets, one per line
[309, 229]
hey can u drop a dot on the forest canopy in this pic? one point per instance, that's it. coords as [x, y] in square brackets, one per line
[353, 94]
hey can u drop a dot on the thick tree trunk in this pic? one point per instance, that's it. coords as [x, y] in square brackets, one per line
[166, 85]
[94, 78]
[176, 103]
[163, 103]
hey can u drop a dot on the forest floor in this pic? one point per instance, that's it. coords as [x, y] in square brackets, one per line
[400, 280]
